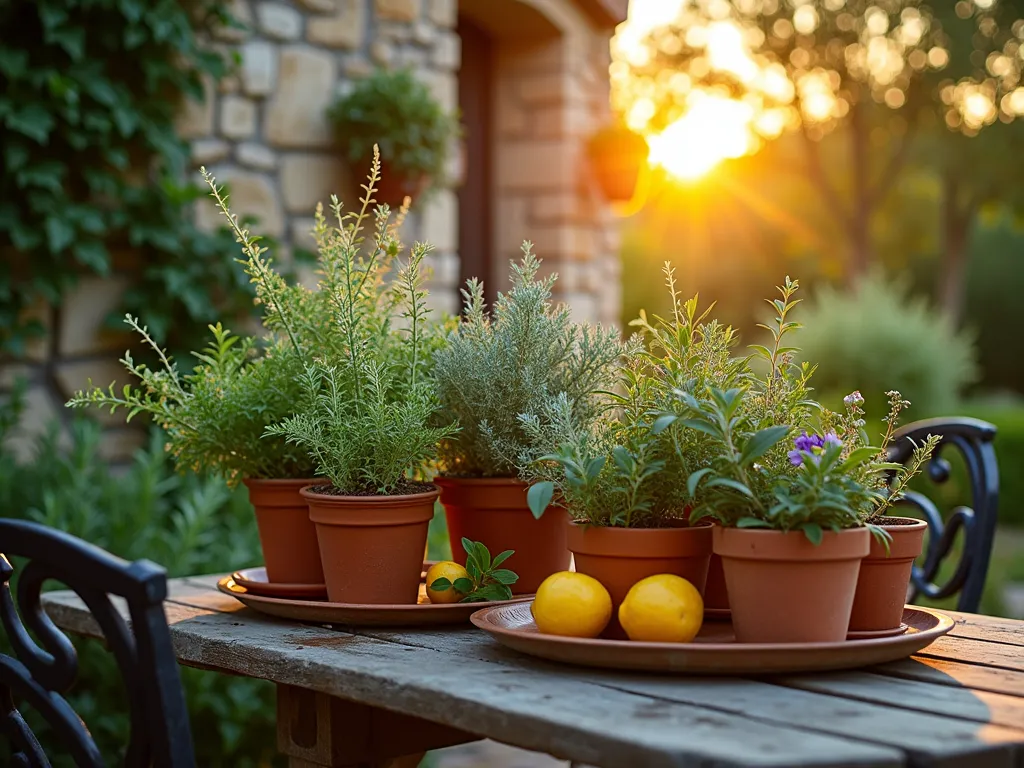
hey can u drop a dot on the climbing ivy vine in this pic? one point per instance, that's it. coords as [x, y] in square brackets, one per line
[92, 166]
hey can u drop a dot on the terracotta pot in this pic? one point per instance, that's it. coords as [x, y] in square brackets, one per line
[493, 510]
[783, 589]
[393, 187]
[287, 535]
[620, 557]
[617, 156]
[884, 577]
[371, 546]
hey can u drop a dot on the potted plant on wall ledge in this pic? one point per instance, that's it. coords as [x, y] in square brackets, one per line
[394, 110]
[492, 374]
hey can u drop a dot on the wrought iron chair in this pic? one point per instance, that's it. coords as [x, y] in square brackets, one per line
[40, 674]
[973, 439]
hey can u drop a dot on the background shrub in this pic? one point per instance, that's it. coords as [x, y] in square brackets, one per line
[877, 338]
[188, 524]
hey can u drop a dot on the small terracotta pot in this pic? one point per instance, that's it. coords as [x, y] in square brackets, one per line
[884, 577]
[371, 546]
[493, 510]
[393, 187]
[287, 535]
[784, 589]
[620, 557]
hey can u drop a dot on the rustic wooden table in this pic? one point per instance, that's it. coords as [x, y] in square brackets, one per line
[363, 697]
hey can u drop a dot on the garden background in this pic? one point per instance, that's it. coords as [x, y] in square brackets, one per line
[905, 227]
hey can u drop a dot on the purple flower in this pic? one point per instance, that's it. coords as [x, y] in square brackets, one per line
[812, 446]
[854, 398]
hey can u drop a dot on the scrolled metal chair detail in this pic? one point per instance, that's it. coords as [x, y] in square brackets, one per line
[39, 674]
[973, 439]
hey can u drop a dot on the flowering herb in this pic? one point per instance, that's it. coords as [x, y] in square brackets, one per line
[783, 461]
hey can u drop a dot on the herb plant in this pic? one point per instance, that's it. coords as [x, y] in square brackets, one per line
[214, 418]
[368, 398]
[486, 580]
[396, 111]
[827, 478]
[623, 467]
[494, 372]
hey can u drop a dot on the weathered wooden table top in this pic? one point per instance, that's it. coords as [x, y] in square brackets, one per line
[960, 703]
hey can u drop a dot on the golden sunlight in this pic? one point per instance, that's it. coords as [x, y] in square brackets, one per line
[714, 129]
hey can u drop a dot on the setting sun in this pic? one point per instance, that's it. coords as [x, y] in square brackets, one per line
[713, 130]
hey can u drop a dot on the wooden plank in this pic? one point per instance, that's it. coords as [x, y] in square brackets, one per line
[990, 628]
[535, 709]
[967, 651]
[943, 672]
[929, 738]
[961, 703]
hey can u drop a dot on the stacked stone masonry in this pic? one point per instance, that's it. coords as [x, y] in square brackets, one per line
[263, 131]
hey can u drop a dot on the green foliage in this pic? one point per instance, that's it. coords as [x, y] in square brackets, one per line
[215, 417]
[92, 165]
[623, 468]
[368, 394]
[486, 580]
[396, 111]
[188, 524]
[877, 337]
[549, 355]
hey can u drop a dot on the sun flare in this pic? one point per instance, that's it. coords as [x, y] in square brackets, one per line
[713, 130]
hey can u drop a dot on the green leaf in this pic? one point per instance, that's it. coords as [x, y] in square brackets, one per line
[813, 533]
[442, 584]
[594, 466]
[59, 233]
[539, 496]
[701, 425]
[463, 585]
[504, 576]
[663, 422]
[725, 482]
[33, 121]
[483, 557]
[751, 522]
[694, 480]
[761, 442]
[501, 557]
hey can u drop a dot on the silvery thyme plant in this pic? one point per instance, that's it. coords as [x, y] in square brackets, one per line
[497, 371]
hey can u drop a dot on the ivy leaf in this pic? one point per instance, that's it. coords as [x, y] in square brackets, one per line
[538, 497]
[59, 234]
[33, 121]
[92, 254]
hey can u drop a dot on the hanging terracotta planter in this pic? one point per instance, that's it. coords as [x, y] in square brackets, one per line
[287, 535]
[371, 546]
[617, 158]
[885, 576]
[620, 557]
[493, 510]
[784, 589]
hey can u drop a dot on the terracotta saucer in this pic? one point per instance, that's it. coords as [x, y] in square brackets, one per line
[869, 635]
[714, 651]
[422, 613]
[255, 581]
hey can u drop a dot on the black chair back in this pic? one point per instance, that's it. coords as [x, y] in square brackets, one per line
[973, 439]
[39, 675]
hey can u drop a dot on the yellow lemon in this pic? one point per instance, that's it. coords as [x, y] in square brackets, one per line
[446, 569]
[571, 604]
[662, 609]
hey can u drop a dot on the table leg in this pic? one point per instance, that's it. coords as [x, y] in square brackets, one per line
[315, 730]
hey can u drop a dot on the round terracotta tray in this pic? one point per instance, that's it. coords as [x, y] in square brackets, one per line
[715, 651]
[255, 581]
[422, 614]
